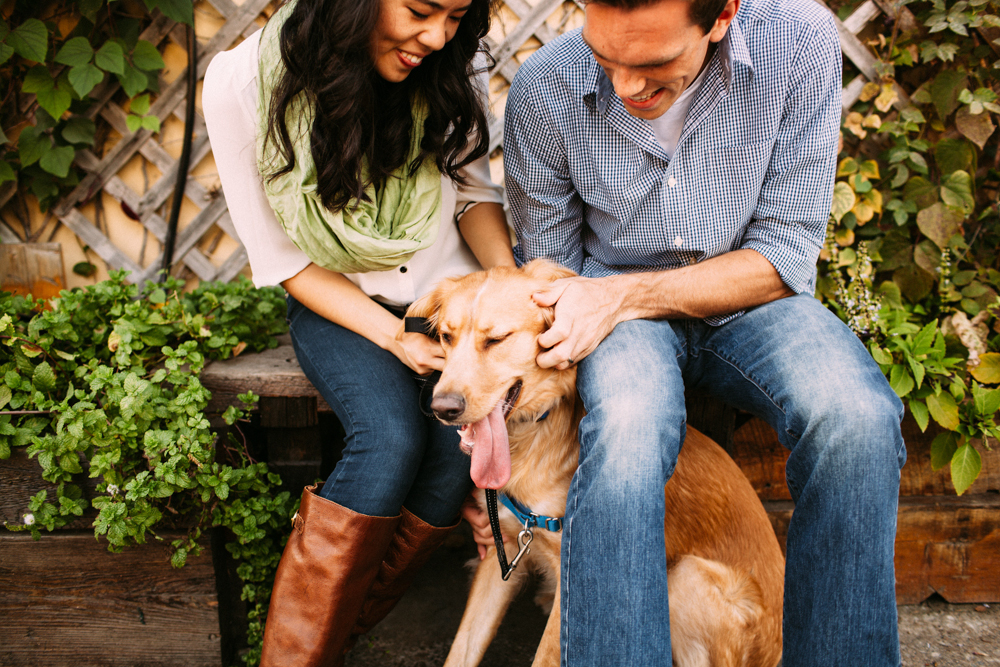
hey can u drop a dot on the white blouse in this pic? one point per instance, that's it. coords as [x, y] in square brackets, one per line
[229, 101]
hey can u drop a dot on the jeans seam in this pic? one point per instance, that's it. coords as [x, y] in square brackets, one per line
[749, 378]
[346, 453]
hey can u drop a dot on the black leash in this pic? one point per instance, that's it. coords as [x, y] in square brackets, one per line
[423, 325]
[523, 538]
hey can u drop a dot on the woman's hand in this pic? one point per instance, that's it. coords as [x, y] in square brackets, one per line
[419, 352]
[480, 522]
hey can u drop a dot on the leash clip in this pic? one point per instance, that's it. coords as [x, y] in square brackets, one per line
[524, 539]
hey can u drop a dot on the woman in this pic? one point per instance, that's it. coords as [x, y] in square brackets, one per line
[350, 141]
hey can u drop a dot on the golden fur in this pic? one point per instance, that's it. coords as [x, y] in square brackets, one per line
[725, 569]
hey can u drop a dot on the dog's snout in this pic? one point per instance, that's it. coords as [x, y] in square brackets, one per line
[448, 407]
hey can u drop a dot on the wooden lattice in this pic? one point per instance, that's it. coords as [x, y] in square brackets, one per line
[522, 27]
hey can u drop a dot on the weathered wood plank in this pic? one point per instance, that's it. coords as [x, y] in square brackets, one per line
[525, 28]
[944, 545]
[273, 372]
[21, 478]
[32, 268]
[762, 458]
[66, 599]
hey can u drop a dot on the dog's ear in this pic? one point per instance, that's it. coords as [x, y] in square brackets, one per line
[546, 270]
[427, 306]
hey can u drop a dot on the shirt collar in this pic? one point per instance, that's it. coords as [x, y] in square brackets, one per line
[733, 56]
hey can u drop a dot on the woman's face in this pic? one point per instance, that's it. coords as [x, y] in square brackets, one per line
[409, 30]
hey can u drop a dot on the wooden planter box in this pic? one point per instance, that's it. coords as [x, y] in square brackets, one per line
[65, 596]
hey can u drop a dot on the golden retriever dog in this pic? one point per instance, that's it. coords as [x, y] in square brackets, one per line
[724, 567]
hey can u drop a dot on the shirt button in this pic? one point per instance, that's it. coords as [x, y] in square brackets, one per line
[678, 241]
[402, 269]
[671, 182]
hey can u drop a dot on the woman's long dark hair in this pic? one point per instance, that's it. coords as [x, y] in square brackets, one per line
[360, 117]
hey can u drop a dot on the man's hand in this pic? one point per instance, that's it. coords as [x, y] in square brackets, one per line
[587, 310]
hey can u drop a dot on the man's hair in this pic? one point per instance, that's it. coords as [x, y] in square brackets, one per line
[702, 12]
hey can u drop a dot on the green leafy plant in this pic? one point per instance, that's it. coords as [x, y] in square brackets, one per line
[915, 226]
[55, 57]
[103, 382]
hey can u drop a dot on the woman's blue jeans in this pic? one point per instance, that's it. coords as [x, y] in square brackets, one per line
[393, 456]
[794, 364]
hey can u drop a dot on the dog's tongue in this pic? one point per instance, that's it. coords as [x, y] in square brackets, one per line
[491, 451]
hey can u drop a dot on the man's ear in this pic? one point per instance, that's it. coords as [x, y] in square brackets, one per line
[547, 270]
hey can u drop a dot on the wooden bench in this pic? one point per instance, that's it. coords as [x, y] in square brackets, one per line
[945, 544]
[66, 595]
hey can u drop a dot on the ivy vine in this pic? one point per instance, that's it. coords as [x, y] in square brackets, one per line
[54, 56]
[103, 382]
[911, 260]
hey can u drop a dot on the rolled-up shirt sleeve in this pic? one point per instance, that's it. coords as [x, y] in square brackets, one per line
[229, 102]
[789, 224]
[545, 206]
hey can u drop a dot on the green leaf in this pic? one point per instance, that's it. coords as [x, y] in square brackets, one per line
[919, 412]
[37, 80]
[5, 394]
[942, 449]
[977, 128]
[151, 123]
[879, 355]
[30, 40]
[956, 191]
[943, 409]
[954, 155]
[178, 10]
[7, 172]
[133, 81]
[939, 223]
[914, 282]
[140, 105]
[965, 467]
[32, 145]
[945, 89]
[133, 122]
[988, 370]
[5, 53]
[44, 379]
[110, 58]
[843, 200]
[58, 161]
[79, 130]
[900, 380]
[89, 8]
[84, 78]
[146, 57]
[76, 51]
[55, 102]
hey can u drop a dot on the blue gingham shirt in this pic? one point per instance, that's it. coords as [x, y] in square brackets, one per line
[590, 186]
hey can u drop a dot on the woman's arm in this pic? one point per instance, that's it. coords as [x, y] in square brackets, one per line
[484, 228]
[336, 298]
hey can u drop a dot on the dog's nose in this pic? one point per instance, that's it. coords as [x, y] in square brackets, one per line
[448, 407]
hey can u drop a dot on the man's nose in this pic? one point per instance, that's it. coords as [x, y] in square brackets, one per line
[626, 82]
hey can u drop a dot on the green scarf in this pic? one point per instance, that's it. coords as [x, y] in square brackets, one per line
[398, 219]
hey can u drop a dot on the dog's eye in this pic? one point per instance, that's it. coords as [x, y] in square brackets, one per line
[445, 338]
[490, 342]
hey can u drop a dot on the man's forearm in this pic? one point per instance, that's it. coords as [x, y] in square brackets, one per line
[724, 284]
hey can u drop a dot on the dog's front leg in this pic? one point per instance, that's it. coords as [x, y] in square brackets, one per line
[488, 602]
[547, 654]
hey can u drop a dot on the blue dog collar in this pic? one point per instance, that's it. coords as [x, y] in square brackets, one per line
[528, 518]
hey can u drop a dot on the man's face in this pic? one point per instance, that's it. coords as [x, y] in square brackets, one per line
[651, 54]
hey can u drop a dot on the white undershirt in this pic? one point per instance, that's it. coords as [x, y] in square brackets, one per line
[229, 101]
[668, 127]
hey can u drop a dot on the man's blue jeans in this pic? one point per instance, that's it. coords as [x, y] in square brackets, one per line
[794, 364]
[394, 456]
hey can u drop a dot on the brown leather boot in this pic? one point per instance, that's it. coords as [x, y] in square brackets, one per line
[411, 547]
[326, 570]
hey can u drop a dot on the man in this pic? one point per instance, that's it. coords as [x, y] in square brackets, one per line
[680, 156]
